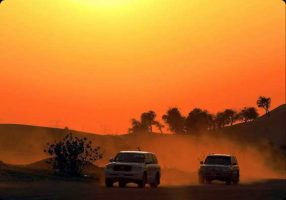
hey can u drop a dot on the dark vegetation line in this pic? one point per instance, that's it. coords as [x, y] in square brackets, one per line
[69, 156]
[198, 120]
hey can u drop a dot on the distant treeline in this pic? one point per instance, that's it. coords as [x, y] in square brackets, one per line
[198, 120]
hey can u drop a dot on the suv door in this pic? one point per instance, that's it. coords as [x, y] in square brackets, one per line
[152, 167]
[157, 166]
[234, 165]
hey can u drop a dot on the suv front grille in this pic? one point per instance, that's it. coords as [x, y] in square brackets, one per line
[125, 168]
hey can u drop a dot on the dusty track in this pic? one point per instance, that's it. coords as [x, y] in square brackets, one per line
[52, 190]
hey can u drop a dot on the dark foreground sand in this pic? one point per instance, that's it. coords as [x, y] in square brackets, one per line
[58, 190]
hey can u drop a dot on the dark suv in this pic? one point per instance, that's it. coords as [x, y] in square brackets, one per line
[219, 167]
[133, 167]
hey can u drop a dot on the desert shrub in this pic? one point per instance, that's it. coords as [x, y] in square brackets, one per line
[71, 155]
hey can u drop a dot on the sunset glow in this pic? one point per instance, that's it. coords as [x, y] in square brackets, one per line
[92, 65]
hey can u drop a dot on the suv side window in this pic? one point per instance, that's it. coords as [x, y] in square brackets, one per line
[233, 160]
[155, 161]
[149, 159]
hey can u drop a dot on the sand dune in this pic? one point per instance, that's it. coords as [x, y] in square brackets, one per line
[256, 144]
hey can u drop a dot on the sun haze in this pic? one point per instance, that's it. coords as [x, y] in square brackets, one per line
[93, 65]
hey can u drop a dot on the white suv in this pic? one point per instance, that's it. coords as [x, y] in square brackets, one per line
[219, 167]
[133, 167]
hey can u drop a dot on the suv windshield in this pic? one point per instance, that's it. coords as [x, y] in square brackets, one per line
[130, 157]
[217, 160]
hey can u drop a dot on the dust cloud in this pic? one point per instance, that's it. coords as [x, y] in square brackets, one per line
[179, 156]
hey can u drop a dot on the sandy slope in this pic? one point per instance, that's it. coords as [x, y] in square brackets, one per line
[178, 155]
[23, 144]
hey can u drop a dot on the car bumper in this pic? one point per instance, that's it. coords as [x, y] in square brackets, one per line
[118, 175]
[216, 175]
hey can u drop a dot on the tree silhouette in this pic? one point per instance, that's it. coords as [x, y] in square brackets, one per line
[248, 114]
[148, 119]
[175, 120]
[71, 155]
[264, 102]
[146, 123]
[230, 116]
[137, 127]
[220, 120]
[212, 122]
[159, 126]
[198, 120]
[227, 117]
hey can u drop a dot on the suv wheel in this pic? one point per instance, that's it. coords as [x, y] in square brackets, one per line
[156, 181]
[143, 182]
[108, 183]
[236, 179]
[201, 180]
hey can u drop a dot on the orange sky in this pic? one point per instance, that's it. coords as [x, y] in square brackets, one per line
[92, 65]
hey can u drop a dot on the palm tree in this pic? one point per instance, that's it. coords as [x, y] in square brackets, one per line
[264, 102]
[145, 124]
[159, 126]
[220, 119]
[137, 127]
[198, 120]
[230, 115]
[148, 118]
[248, 114]
[175, 120]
